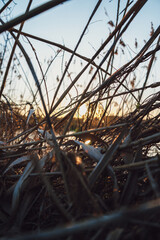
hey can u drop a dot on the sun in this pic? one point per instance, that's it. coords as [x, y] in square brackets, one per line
[82, 110]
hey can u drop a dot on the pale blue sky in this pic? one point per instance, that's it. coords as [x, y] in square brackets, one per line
[64, 24]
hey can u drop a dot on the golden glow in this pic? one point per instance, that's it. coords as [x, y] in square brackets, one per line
[88, 142]
[78, 160]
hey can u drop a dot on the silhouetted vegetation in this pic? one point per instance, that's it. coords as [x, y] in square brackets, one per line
[66, 175]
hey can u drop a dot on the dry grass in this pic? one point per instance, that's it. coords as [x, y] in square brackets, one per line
[55, 186]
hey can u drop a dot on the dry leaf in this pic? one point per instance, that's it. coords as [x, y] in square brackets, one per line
[122, 43]
[111, 23]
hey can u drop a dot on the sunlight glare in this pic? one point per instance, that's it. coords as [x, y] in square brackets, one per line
[88, 142]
